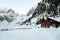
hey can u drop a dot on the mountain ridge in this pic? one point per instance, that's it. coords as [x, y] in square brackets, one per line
[47, 8]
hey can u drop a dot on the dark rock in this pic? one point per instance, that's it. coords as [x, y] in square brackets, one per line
[1, 18]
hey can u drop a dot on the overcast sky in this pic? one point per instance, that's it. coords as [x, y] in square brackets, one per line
[21, 6]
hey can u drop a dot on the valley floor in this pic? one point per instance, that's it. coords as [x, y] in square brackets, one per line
[31, 34]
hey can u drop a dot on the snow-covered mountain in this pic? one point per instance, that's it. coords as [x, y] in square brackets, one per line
[9, 19]
[45, 8]
[7, 16]
[31, 11]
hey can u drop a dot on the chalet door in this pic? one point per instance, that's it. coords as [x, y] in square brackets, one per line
[44, 25]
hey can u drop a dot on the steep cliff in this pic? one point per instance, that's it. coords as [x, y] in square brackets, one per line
[47, 8]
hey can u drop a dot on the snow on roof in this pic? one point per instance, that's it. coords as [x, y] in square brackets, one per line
[57, 19]
[44, 18]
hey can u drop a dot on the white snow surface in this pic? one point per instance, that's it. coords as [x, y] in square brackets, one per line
[31, 34]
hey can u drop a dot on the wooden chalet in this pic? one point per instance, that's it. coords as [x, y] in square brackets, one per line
[44, 23]
[49, 21]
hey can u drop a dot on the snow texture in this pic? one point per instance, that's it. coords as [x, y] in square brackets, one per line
[31, 34]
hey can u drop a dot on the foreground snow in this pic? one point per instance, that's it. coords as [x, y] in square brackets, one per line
[31, 34]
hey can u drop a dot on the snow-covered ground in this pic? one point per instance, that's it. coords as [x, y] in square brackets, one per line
[14, 31]
[31, 34]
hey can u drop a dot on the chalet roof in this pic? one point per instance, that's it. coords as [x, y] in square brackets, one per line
[44, 18]
[57, 18]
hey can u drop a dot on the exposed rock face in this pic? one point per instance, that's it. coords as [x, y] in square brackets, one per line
[40, 8]
[52, 1]
[51, 7]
